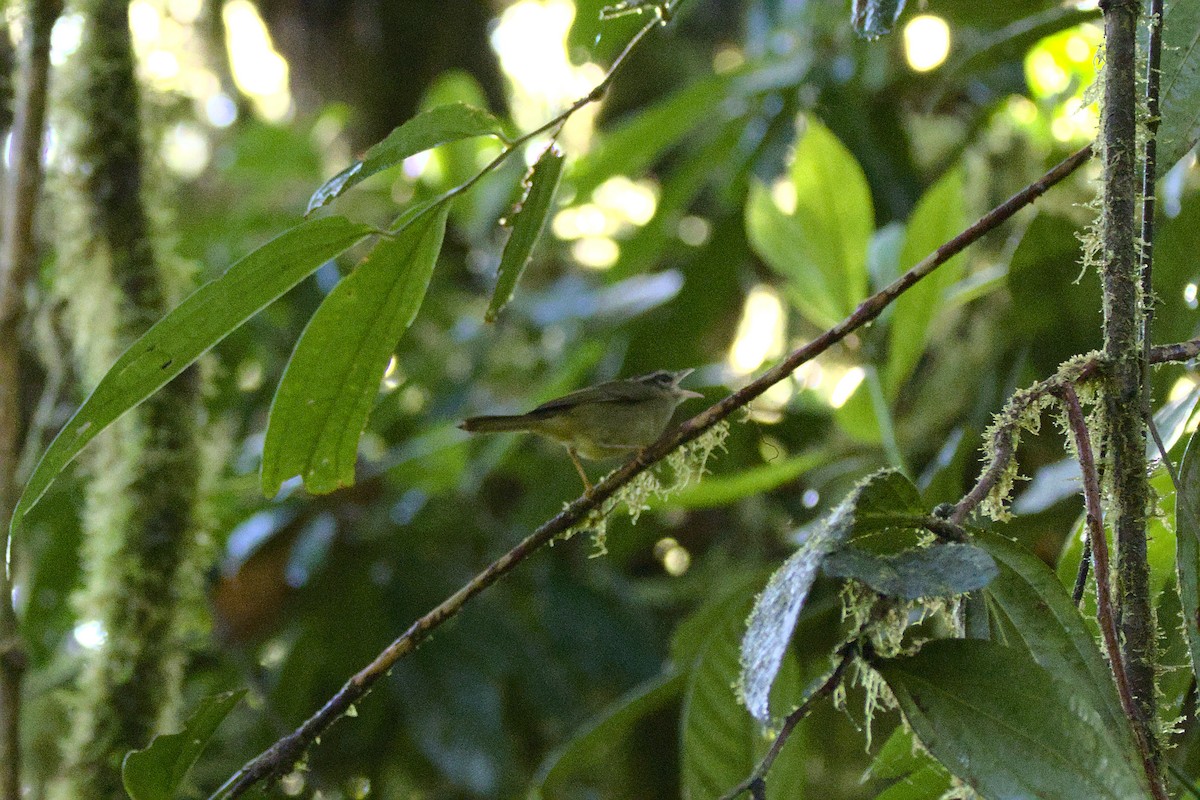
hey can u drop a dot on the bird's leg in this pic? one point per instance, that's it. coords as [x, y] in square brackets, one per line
[579, 468]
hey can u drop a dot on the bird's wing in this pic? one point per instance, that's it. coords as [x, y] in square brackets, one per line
[611, 392]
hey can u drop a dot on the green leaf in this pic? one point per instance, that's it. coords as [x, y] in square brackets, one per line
[429, 129]
[173, 343]
[938, 217]
[527, 227]
[917, 776]
[722, 490]
[1028, 596]
[1187, 546]
[1006, 726]
[1179, 93]
[157, 772]
[332, 379]
[872, 18]
[813, 227]
[871, 507]
[720, 743]
[944, 569]
[594, 749]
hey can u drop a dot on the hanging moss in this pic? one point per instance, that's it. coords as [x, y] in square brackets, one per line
[144, 553]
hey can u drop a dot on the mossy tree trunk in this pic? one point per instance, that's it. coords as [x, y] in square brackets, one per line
[141, 531]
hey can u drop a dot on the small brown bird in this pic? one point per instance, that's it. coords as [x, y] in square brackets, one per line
[602, 421]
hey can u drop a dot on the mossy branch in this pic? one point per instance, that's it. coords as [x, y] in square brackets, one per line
[21, 192]
[1122, 426]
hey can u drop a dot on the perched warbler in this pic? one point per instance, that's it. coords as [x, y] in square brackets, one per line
[602, 421]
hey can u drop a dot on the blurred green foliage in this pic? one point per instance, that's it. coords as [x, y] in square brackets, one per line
[581, 677]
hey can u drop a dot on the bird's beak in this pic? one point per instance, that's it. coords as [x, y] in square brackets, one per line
[685, 394]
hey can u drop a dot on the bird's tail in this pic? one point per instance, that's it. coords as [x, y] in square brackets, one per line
[496, 424]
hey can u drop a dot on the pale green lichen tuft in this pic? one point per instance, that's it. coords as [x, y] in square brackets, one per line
[688, 463]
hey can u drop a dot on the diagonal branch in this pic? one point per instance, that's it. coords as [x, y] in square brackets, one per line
[756, 784]
[281, 756]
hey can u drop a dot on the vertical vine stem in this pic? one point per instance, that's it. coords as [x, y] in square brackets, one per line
[17, 257]
[1122, 422]
[1094, 516]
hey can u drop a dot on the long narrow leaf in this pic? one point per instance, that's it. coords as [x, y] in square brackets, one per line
[527, 227]
[206, 317]
[434, 127]
[332, 379]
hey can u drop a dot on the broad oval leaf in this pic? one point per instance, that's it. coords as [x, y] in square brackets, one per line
[332, 379]
[872, 506]
[1179, 94]
[173, 343]
[1028, 597]
[156, 772]
[813, 226]
[527, 227]
[1006, 726]
[938, 217]
[872, 18]
[448, 123]
[939, 570]
[1187, 546]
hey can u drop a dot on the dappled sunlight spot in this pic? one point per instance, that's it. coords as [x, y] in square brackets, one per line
[693, 231]
[844, 389]
[530, 40]
[1044, 74]
[810, 498]
[186, 150]
[926, 42]
[1181, 389]
[760, 331]
[90, 635]
[596, 252]
[808, 375]
[1189, 296]
[727, 59]
[393, 376]
[577, 222]
[632, 201]
[1022, 110]
[783, 194]
[65, 38]
[258, 68]
[250, 376]
[185, 11]
[673, 556]
[145, 22]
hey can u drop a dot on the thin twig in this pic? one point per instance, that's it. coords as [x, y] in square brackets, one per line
[756, 783]
[555, 124]
[17, 262]
[1105, 611]
[1149, 170]
[1085, 563]
[280, 757]
[1004, 434]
